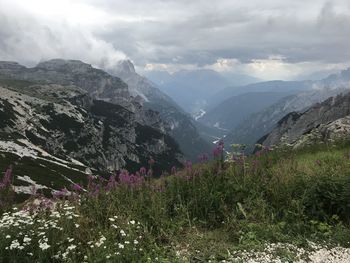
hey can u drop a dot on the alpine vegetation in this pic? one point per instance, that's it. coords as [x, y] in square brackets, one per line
[278, 203]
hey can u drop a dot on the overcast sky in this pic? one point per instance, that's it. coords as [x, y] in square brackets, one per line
[268, 39]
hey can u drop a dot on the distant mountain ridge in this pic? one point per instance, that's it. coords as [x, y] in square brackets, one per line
[230, 112]
[265, 86]
[192, 88]
[261, 123]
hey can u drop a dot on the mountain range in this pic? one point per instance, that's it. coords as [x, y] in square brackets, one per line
[261, 123]
[230, 112]
[193, 89]
[69, 115]
[67, 119]
[322, 123]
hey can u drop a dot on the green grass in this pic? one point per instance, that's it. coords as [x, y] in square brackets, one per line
[210, 211]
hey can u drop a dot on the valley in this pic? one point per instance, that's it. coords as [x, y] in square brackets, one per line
[174, 131]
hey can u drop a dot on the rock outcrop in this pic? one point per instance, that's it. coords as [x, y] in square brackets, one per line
[323, 122]
[67, 123]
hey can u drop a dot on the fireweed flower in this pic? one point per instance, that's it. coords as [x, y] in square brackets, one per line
[150, 173]
[77, 188]
[318, 162]
[188, 165]
[219, 149]
[143, 170]
[217, 152]
[203, 158]
[62, 193]
[173, 170]
[112, 183]
[130, 179]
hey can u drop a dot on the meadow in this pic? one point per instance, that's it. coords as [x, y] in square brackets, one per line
[214, 211]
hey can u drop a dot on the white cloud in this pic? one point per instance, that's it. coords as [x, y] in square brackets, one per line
[33, 34]
[266, 39]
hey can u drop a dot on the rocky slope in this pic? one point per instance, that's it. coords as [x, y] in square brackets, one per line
[326, 121]
[97, 83]
[182, 126]
[66, 127]
[259, 124]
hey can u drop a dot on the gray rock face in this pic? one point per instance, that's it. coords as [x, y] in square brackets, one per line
[9, 66]
[99, 84]
[181, 125]
[324, 121]
[71, 110]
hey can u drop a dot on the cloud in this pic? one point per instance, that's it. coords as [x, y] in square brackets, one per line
[28, 39]
[270, 38]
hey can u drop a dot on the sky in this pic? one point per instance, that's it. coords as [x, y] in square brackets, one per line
[267, 39]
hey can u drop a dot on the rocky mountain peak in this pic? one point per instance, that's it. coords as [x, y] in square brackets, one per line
[10, 65]
[64, 65]
[125, 67]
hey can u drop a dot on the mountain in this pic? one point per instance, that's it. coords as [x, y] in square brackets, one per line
[237, 80]
[54, 114]
[160, 77]
[266, 86]
[259, 124]
[229, 113]
[192, 88]
[99, 84]
[182, 126]
[323, 122]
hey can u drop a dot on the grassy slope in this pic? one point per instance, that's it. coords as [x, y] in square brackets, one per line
[203, 212]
